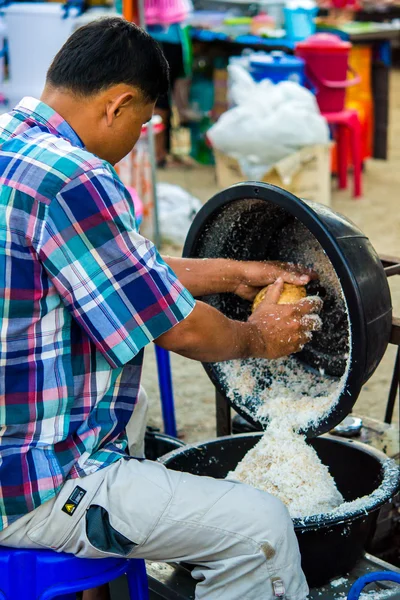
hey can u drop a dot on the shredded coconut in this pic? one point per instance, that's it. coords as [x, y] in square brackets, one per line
[337, 582]
[375, 595]
[283, 389]
[284, 465]
[287, 398]
[288, 388]
[370, 595]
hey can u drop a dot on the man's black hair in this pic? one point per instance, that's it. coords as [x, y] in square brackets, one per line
[107, 52]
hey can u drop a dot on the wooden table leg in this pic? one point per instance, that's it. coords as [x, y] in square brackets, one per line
[380, 86]
[223, 415]
[394, 389]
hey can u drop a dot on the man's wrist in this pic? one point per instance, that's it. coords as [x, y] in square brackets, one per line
[258, 343]
[252, 342]
[235, 271]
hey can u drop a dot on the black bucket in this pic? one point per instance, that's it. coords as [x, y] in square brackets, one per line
[252, 221]
[330, 545]
[156, 444]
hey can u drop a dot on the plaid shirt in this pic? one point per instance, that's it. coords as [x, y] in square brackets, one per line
[81, 294]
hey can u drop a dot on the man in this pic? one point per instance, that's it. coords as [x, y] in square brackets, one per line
[82, 294]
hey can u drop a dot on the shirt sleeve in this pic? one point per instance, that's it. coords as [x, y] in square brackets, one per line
[112, 279]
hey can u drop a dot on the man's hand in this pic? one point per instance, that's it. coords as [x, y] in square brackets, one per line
[218, 275]
[272, 331]
[285, 328]
[252, 276]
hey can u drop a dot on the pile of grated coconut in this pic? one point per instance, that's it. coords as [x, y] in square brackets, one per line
[286, 397]
[284, 465]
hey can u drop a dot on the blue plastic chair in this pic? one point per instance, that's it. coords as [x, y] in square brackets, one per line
[359, 585]
[166, 391]
[47, 575]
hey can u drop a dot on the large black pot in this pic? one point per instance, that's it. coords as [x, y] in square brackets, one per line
[248, 222]
[330, 546]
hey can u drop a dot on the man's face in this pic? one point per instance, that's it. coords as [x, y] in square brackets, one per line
[127, 129]
[110, 123]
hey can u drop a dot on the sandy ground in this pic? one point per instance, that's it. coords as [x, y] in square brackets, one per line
[377, 214]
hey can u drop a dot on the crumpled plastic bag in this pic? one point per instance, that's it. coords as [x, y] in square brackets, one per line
[176, 209]
[268, 123]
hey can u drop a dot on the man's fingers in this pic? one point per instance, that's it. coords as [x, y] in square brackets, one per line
[273, 292]
[294, 278]
[303, 339]
[298, 278]
[311, 304]
[311, 322]
[293, 273]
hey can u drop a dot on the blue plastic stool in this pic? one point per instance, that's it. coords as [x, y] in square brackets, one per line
[48, 575]
[166, 391]
[358, 586]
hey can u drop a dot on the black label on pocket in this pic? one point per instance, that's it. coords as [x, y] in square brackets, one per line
[73, 501]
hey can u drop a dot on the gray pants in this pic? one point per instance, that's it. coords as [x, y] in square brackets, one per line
[241, 540]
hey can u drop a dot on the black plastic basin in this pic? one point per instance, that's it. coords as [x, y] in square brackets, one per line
[156, 444]
[256, 221]
[330, 546]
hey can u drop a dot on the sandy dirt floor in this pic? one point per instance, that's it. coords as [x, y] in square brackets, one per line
[377, 214]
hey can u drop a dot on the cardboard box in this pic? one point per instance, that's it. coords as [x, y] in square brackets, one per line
[306, 174]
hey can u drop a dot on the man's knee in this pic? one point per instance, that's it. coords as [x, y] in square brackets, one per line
[262, 516]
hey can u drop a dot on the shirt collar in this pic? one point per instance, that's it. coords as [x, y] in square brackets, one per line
[42, 113]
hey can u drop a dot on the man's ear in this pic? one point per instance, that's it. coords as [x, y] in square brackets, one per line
[116, 105]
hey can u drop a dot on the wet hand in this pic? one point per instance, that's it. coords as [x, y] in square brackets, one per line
[253, 276]
[285, 328]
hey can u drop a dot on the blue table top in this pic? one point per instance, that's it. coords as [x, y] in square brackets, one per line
[206, 35]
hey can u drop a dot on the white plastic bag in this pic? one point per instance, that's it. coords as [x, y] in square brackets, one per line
[177, 209]
[268, 123]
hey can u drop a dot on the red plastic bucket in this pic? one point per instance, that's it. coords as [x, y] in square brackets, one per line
[327, 63]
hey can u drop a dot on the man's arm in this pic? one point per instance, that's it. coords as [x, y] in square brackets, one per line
[217, 275]
[271, 332]
[111, 280]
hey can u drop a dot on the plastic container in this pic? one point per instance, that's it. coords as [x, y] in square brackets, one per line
[274, 8]
[166, 12]
[327, 64]
[262, 23]
[35, 31]
[300, 22]
[236, 26]
[158, 444]
[329, 546]
[252, 221]
[207, 19]
[277, 66]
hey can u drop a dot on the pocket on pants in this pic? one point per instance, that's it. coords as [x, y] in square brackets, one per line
[123, 513]
[69, 507]
[103, 536]
[134, 497]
